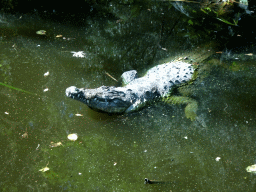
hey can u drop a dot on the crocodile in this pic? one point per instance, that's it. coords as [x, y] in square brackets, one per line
[137, 92]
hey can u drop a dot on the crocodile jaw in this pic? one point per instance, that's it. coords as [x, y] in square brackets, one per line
[97, 100]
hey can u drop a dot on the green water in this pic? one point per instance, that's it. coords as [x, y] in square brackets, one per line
[117, 152]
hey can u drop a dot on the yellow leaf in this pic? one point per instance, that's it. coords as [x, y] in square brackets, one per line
[55, 144]
[45, 169]
[41, 32]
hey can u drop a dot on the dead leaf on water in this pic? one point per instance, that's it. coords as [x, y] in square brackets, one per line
[72, 137]
[81, 54]
[55, 144]
[251, 168]
[58, 36]
[41, 32]
[46, 74]
[78, 115]
[45, 168]
[25, 135]
[249, 54]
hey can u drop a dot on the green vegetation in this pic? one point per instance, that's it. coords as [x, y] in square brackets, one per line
[17, 89]
[221, 11]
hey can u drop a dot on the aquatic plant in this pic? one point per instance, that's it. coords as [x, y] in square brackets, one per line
[17, 89]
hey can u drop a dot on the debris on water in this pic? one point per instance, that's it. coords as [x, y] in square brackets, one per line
[251, 168]
[41, 32]
[45, 168]
[55, 144]
[186, 137]
[217, 158]
[58, 36]
[147, 181]
[72, 137]
[37, 146]
[45, 90]
[6, 113]
[46, 74]
[115, 163]
[80, 54]
[25, 135]
[111, 76]
[78, 115]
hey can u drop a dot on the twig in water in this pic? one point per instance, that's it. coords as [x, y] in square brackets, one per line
[110, 76]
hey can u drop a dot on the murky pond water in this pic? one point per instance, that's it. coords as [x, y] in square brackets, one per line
[117, 152]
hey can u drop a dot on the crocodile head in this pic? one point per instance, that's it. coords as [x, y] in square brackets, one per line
[105, 99]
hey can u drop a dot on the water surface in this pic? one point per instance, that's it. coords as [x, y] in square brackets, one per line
[116, 152]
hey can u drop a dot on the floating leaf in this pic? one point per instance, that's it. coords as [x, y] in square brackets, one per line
[78, 54]
[72, 136]
[58, 36]
[41, 32]
[25, 135]
[46, 74]
[55, 144]
[251, 168]
[37, 146]
[44, 169]
[78, 115]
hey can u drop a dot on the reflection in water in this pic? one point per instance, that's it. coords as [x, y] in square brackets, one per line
[115, 153]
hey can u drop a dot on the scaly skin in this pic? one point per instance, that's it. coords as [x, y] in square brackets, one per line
[157, 83]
